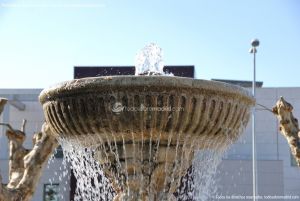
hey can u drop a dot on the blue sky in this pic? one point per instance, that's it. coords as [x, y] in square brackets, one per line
[41, 41]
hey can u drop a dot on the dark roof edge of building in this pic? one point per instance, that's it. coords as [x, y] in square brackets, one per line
[125, 66]
[242, 83]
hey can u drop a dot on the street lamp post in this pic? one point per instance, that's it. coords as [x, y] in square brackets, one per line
[254, 44]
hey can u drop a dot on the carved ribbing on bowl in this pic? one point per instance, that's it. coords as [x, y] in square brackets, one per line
[167, 118]
[201, 110]
[94, 114]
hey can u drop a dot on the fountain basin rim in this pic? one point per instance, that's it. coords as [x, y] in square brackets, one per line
[92, 84]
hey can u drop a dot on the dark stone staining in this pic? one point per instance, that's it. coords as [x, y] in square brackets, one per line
[75, 116]
[181, 113]
[148, 112]
[171, 114]
[192, 110]
[126, 117]
[216, 117]
[84, 113]
[92, 114]
[229, 105]
[137, 101]
[124, 101]
[112, 118]
[245, 117]
[80, 115]
[212, 108]
[96, 114]
[160, 103]
[66, 113]
[218, 132]
[221, 107]
[211, 111]
[240, 115]
[143, 113]
[112, 101]
[202, 115]
[137, 116]
[52, 118]
[61, 119]
[235, 116]
[164, 113]
[100, 113]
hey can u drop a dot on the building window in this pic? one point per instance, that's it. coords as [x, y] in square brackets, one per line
[51, 192]
[58, 153]
[293, 161]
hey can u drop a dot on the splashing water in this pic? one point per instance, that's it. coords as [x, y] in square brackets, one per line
[149, 61]
[91, 182]
[61, 175]
[200, 182]
[205, 166]
[198, 185]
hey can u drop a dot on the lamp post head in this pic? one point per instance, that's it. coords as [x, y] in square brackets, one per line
[255, 43]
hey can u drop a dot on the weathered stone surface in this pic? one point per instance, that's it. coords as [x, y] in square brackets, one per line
[85, 107]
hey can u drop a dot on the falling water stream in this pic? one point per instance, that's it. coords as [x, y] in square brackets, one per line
[198, 184]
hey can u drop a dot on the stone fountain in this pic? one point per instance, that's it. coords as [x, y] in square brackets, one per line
[145, 130]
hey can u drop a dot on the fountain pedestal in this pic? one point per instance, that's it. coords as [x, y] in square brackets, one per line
[148, 172]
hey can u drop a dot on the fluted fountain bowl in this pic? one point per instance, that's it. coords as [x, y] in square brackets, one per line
[154, 123]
